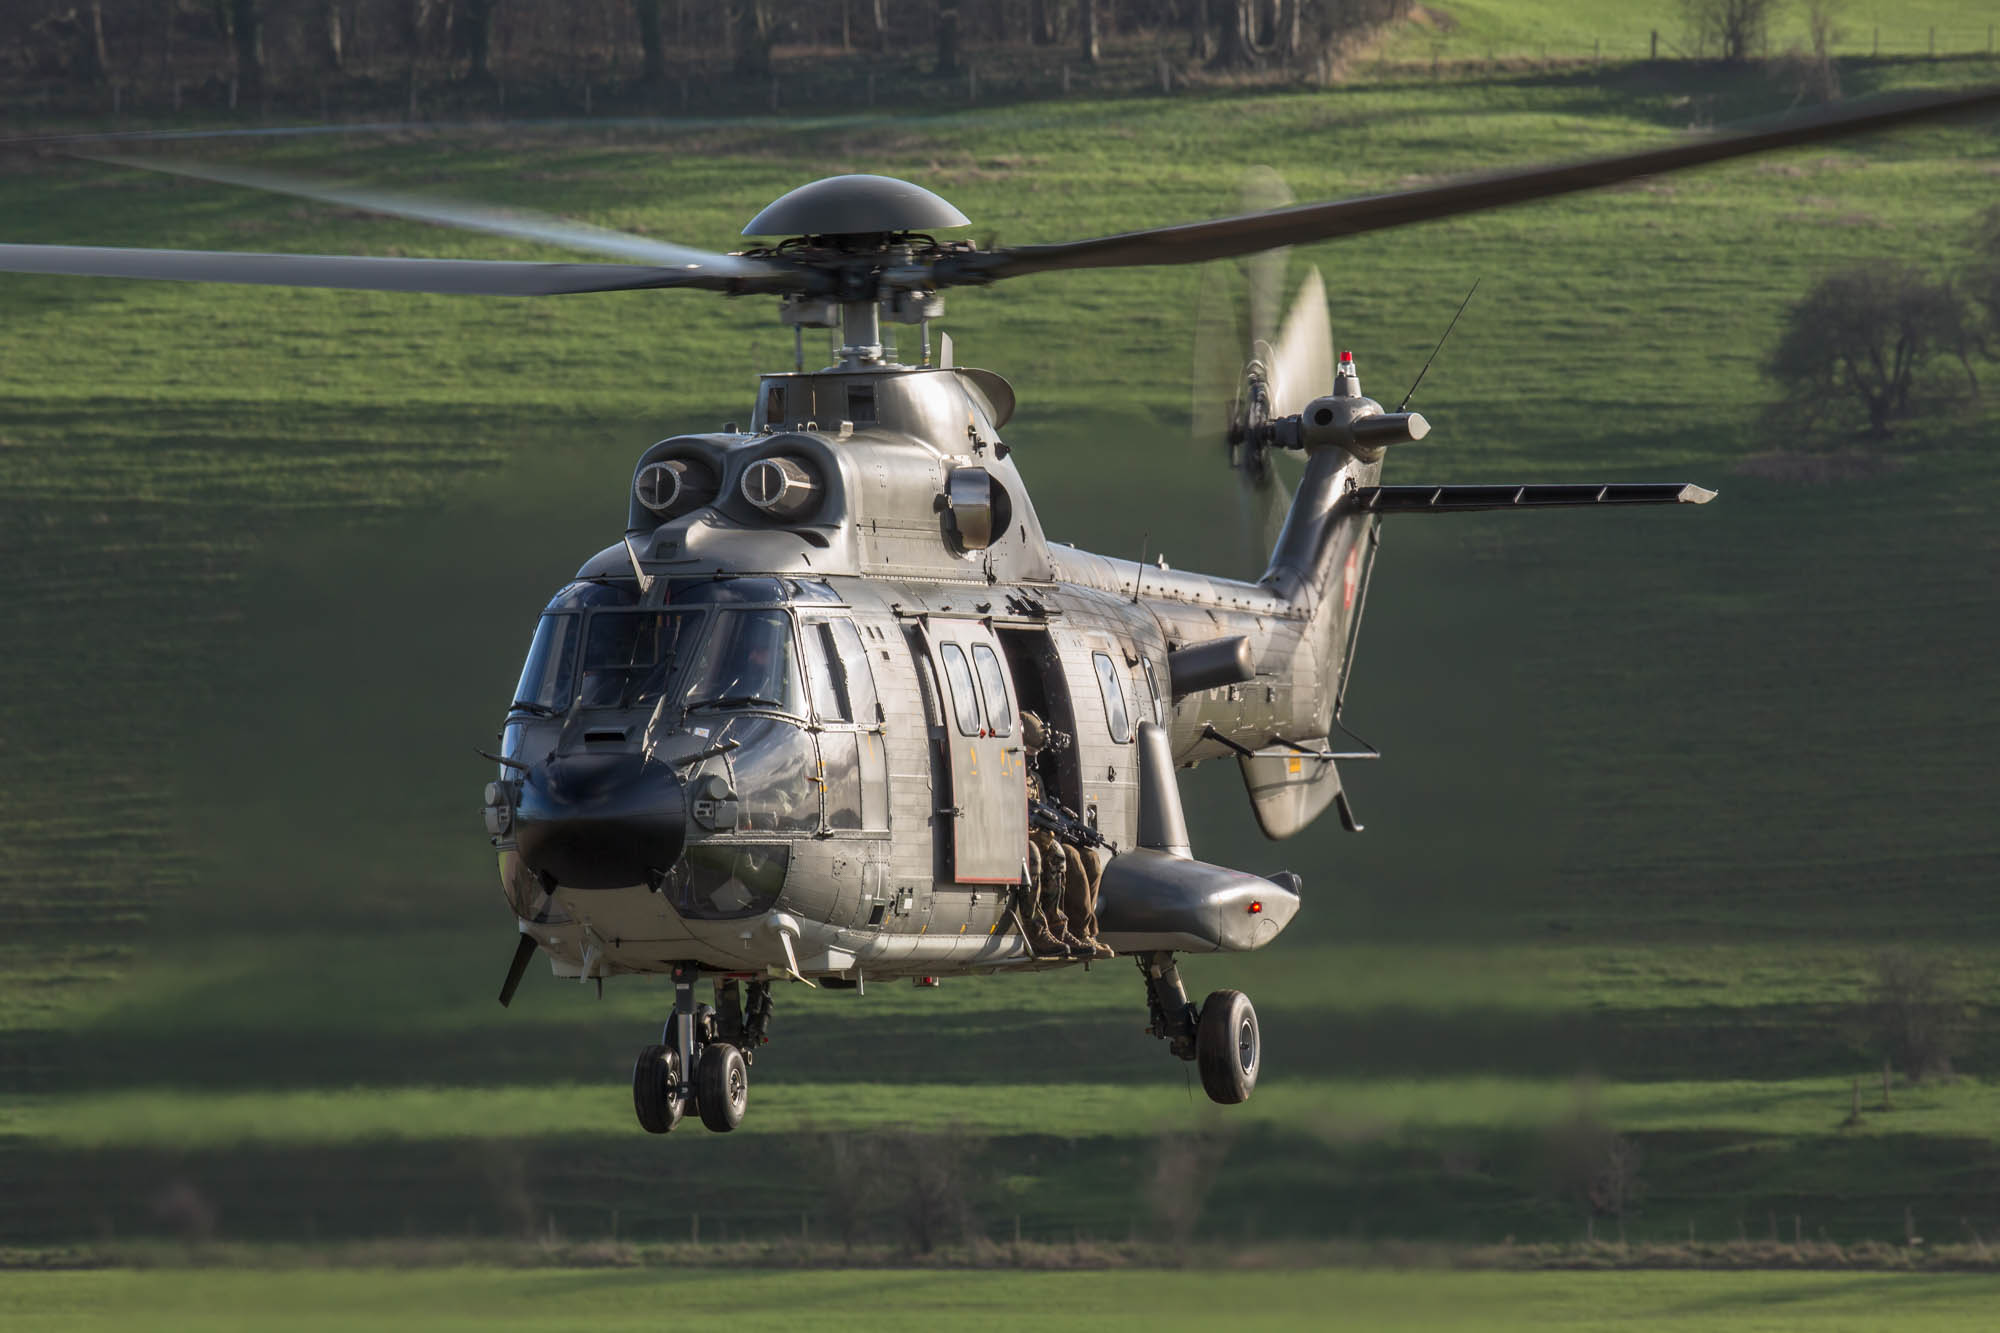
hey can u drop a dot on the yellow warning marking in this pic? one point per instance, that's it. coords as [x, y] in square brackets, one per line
[1292, 766]
[961, 930]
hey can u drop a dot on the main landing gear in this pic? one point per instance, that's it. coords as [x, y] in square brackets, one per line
[1221, 1037]
[701, 1063]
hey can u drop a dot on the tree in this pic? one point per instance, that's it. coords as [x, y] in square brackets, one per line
[1734, 28]
[652, 45]
[753, 36]
[1092, 38]
[1983, 277]
[947, 38]
[1861, 336]
[1918, 1016]
[472, 36]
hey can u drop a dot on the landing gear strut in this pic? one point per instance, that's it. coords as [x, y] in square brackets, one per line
[1221, 1037]
[701, 1063]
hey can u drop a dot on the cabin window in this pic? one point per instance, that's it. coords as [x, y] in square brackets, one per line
[993, 682]
[547, 680]
[1115, 715]
[824, 676]
[859, 677]
[774, 407]
[722, 881]
[749, 663]
[964, 699]
[1153, 688]
[840, 772]
[629, 656]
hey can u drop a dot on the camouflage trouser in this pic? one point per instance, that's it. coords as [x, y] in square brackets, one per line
[1048, 873]
[1080, 890]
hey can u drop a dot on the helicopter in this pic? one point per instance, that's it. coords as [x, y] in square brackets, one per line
[806, 719]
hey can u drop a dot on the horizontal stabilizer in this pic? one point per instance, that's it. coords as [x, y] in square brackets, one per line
[1468, 499]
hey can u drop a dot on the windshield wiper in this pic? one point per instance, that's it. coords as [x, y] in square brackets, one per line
[530, 706]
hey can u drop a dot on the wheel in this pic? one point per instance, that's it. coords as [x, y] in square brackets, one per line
[722, 1087]
[656, 1079]
[1227, 1047]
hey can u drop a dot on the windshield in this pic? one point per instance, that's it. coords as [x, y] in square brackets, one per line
[749, 664]
[629, 656]
[547, 679]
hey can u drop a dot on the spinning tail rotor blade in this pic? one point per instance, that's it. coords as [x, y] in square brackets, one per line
[451, 277]
[1196, 242]
[702, 267]
[1264, 190]
[1301, 366]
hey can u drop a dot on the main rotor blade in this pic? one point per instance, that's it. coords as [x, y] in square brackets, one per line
[520, 224]
[1194, 242]
[455, 277]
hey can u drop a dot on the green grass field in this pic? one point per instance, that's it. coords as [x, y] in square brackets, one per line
[1658, 788]
[889, 1299]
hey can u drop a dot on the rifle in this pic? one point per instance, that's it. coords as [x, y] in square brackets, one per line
[1067, 825]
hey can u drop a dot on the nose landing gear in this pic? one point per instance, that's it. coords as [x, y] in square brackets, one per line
[701, 1063]
[1221, 1037]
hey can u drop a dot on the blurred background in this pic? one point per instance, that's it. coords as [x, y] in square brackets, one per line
[1673, 916]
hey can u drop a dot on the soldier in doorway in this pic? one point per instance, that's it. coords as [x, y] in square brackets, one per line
[1064, 878]
[1042, 895]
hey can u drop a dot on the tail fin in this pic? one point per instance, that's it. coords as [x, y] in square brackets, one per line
[1322, 563]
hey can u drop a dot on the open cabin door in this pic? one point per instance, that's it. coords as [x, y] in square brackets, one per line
[988, 807]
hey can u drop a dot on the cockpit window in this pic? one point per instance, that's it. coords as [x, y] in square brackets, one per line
[629, 656]
[823, 674]
[749, 663]
[549, 675]
[685, 592]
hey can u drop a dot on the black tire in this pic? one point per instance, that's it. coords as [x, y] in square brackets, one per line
[722, 1087]
[1228, 1047]
[656, 1077]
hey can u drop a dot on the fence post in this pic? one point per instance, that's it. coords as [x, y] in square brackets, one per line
[1065, 79]
[871, 87]
[1878, 43]
[1656, 45]
[971, 83]
[774, 92]
[1933, 43]
[1597, 50]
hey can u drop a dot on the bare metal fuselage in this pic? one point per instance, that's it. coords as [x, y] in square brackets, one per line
[902, 831]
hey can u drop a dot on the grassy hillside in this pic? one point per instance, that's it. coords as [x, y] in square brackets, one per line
[1659, 787]
[487, 1299]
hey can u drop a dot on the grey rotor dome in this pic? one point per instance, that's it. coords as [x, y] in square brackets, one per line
[855, 206]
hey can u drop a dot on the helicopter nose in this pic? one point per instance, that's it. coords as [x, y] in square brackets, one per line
[600, 821]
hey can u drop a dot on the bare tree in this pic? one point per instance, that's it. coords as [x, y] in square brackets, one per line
[932, 1176]
[947, 37]
[1918, 1015]
[1088, 30]
[1735, 29]
[1983, 275]
[1861, 337]
[1184, 1170]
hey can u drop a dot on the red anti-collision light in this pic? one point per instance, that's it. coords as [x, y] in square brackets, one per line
[1255, 907]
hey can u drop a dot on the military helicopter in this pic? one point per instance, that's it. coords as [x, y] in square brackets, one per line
[780, 730]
